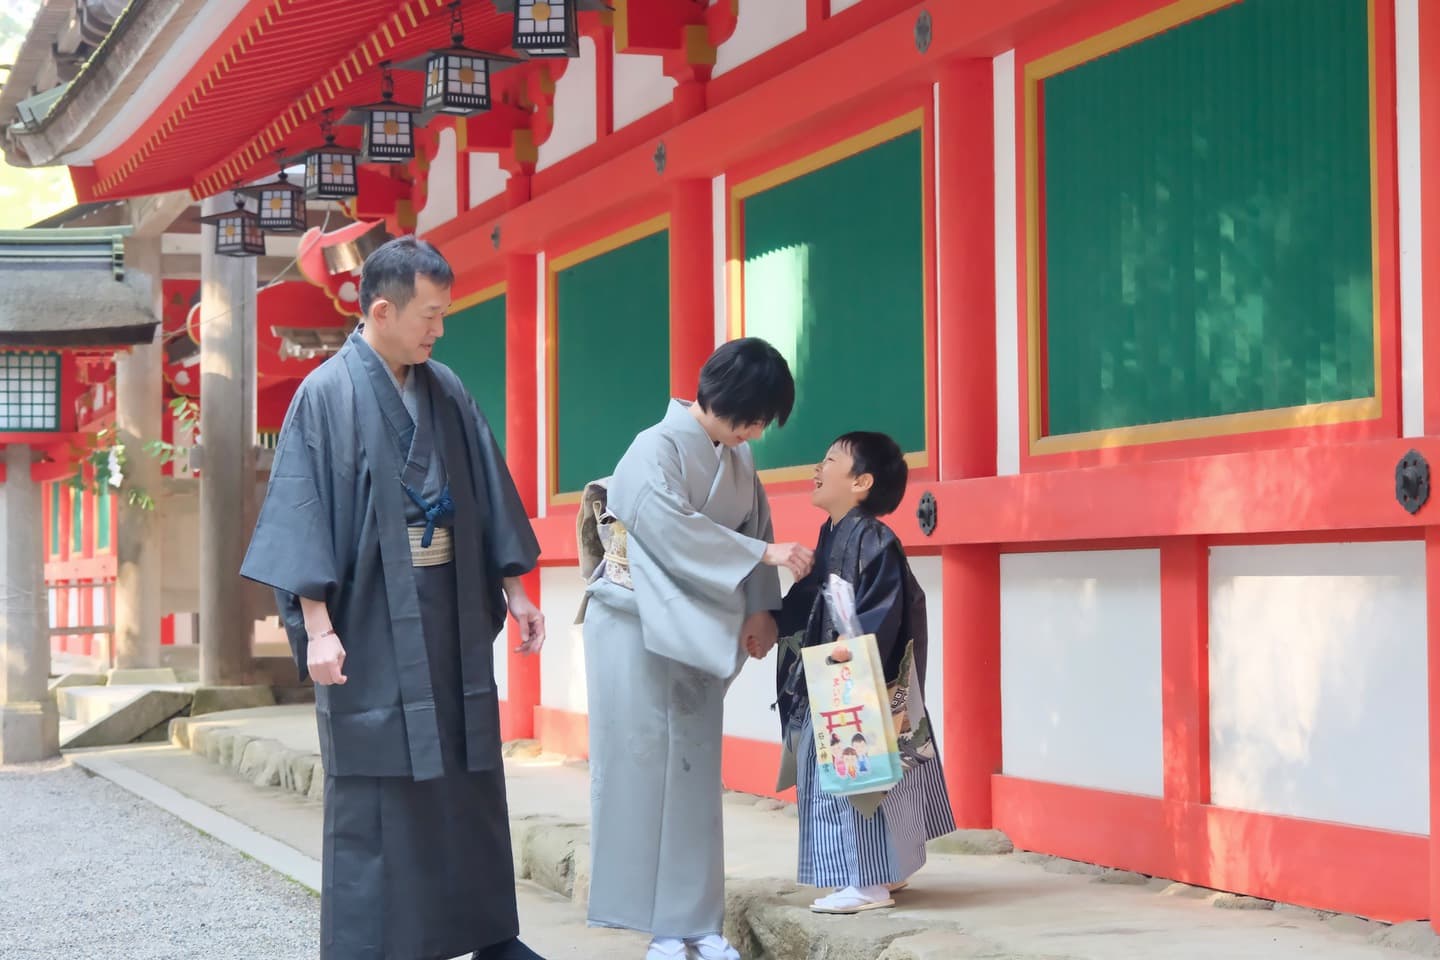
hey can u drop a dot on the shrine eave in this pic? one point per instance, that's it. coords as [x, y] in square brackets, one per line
[260, 87]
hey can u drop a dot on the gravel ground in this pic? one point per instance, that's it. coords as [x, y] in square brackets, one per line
[89, 871]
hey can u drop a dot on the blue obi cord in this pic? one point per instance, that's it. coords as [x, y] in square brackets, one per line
[441, 511]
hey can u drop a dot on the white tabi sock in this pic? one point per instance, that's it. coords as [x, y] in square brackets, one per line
[666, 948]
[714, 947]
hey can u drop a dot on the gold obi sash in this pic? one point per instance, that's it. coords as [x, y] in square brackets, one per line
[440, 552]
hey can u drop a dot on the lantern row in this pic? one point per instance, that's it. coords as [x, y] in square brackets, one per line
[457, 83]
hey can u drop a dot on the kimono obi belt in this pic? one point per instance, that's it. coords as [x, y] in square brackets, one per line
[440, 552]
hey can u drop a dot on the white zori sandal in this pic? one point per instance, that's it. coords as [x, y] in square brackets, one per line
[855, 900]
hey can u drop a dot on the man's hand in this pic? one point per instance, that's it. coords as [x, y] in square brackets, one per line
[758, 634]
[326, 658]
[798, 558]
[528, 616]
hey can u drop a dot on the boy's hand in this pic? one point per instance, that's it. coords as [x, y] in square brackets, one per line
[759, 634]
[793, 555]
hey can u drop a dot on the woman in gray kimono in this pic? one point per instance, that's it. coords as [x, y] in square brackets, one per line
[665, 635]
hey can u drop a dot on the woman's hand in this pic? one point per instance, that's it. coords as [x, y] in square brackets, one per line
[759, 634]
[842, 654]
[799, 559]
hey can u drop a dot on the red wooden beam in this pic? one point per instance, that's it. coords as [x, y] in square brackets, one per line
[1310, 863]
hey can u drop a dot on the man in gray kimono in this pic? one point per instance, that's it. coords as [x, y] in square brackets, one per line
[394, 539]
[663, 643]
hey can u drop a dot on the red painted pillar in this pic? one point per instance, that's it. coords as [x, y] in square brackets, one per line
[966, 233]
[692, 284]
[1429, 43]
[1185, 668]
[521, 446]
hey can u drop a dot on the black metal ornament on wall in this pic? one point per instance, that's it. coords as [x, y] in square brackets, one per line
[924, 31]
[659, 157]
[927, 513]
[1412, 481]
[495, 237]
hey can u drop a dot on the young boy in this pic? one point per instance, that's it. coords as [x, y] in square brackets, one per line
[865, 846]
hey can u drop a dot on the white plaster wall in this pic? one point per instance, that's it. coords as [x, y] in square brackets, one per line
[502, 663]
[1318, 682]
[562, 660]
[575, 96]
[720, 251]
[763, 25]
[1080, 668]
[441, 203]
[1412, 329]
[1007, 300]
[487, 178]
[641, 87]
[928, 572]
[837, 5]
[542, 412]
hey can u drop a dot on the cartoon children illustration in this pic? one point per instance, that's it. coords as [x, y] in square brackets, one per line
[851, 760]
[861, 747]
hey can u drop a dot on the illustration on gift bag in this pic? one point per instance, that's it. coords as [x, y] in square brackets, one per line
[855, 744]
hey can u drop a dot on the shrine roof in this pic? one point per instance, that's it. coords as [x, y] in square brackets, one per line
[261, 85]
[67, 289]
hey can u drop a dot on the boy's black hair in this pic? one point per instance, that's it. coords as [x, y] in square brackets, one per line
[389, 272]
[880, 456]
[747, 381]
[860, 738]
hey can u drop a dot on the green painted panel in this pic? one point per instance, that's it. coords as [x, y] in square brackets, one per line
[835, 279]
[1207, 220]
[613, 356]
[102, 520]
[54, 546]
[474, 347]
[77, 523]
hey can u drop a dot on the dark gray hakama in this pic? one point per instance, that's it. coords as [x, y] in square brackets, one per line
[421, 869]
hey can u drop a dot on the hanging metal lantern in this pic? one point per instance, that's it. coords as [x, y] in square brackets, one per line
[548, 28]
[457, 78]
[330, 170]
[237, 232]
[389, 127]
[280, 204]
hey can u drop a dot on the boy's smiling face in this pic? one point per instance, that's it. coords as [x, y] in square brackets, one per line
[837, 489]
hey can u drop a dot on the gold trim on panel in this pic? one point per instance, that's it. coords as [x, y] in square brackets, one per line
[477, 298]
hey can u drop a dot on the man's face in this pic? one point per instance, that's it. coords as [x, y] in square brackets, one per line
[409, 333]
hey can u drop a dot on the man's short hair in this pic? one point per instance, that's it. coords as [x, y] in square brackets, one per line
[747, 381]
[880, 456]
[389, 272]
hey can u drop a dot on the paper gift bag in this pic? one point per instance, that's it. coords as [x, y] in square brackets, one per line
[855, 744]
